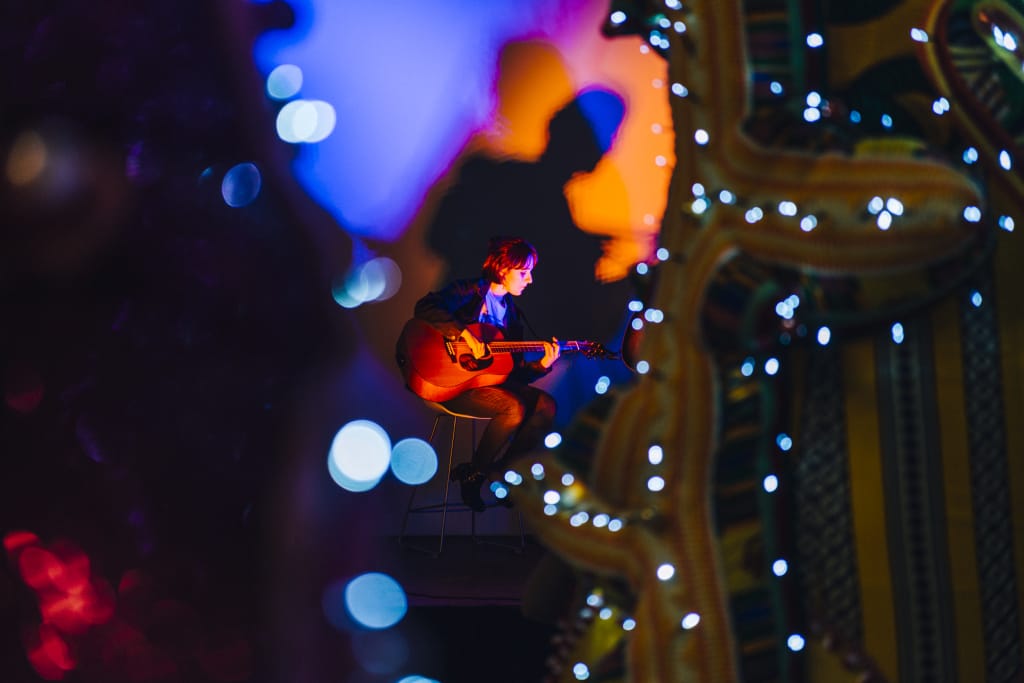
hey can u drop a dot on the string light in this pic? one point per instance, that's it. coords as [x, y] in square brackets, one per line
[690, 621]
[919, 35]
[897, 333]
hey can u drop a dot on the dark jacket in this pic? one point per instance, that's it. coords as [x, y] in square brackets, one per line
[452, 309]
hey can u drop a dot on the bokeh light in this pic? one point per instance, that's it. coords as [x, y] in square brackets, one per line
[27, 159]
[375, 280]
[413, 461]
[284, 82]
[376, 600]
[359, 456]
[241, 185]
[306, 121]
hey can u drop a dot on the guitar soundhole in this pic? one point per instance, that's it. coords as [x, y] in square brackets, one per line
[471, 364]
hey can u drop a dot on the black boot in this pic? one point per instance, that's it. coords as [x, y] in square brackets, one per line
[470, 481]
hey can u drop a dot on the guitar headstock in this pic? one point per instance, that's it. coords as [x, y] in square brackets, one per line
[596, 350]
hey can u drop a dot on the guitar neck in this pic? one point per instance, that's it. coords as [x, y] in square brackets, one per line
[522, 346]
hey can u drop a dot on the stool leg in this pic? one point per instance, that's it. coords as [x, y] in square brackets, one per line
[447, 482]
[412, 494]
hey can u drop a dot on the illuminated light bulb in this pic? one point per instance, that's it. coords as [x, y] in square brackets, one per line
[644, 49]
[679, 27]
[972, 214]
[894, 206]
[602, 385]
[784, 442]
[784, 310]
[637, 324]
[581, 671]
[780, 567]
[976, 299]
[641, 269]
[656, 128]
[615, 525]
[537, 470]
[550, 510]
[701, 137]
[359, 456]
[1006, 223]
[655, 455]
[811, 115]
[919, 35]
[787, 208]
[664, 22]
[886, 121]
[813, 99]
[875, 205]
[770, 483]
[666, 572]
[513, 477]
[884, 220]
[697, 189]
[655, 484]
[552, 497]
[815, 40]
[1005, 160]
[808, 223]
[824, 336]
[499, 490]
[699, 205]
[660, 160]
[594, 600]
[673, 4]
[1009, 42]
[568, 479]
[897, 333]
[726, 197]
[771, 366]
[601, 520]
[662, 254]
[636, 306]
[754, 214]
[747, 368]
[552, 440]
[970, 155]
[605, 614]
[628, 624]
[643, 367]
[618, 17]
[796, 642]
[690, 621]
[854, 116]
[793, 300]
[775, 87]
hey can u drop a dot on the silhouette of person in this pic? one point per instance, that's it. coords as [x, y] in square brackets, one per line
[495, 196]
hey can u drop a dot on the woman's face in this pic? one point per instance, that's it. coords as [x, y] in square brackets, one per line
[515, 280]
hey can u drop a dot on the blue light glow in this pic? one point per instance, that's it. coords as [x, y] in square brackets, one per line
[419, 100]
[359, 456]
[284, 82]
[375, 600]
[241, 185]
[413, 461]
[552, 440]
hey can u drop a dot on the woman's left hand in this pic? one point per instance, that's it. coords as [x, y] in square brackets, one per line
[551, 353]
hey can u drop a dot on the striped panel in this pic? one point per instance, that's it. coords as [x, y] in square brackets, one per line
[990, 482]
[915, 505]
[949, 388]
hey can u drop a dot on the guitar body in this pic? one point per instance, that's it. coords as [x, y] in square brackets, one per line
[437, 370]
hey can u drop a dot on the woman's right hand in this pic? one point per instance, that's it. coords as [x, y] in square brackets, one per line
[476, 347]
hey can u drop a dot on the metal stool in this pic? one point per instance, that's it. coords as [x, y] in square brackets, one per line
[444, 506]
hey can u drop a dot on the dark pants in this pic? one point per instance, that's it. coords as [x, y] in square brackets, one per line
[521, 416]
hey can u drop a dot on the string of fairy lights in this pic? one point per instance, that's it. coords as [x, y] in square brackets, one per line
[884, 211]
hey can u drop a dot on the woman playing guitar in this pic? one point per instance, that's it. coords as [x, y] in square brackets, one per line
[466, 310]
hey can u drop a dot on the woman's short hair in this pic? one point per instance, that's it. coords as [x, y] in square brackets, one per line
[507, 253]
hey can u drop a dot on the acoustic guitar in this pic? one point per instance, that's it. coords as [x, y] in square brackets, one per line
[438, 369]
